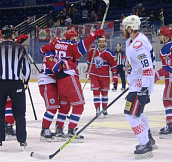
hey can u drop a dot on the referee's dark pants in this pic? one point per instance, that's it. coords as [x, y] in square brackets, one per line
[121, 72]
[15, 90]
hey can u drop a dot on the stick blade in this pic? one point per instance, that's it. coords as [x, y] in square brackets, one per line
[106, 1]
[39, 156]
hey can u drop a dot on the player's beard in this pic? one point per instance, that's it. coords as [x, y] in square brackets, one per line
[126, 34]
[102, 47]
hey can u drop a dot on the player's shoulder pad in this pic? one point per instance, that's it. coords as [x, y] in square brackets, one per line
[166, 49]
[110, 52]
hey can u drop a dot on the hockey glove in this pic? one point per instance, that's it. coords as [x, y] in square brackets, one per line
[69, 64]
[21, 38]
[86, 73]
[143, 96]
[97, 33]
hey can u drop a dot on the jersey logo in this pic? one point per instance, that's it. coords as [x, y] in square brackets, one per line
[52, 101]
[98, 62]
[51, 59]
[137, 44]
[141, 56]
[128, 105]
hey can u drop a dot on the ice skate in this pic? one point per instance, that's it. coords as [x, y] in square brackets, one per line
[46, 135]
[10, 133]
[152, 141]
[23, 145]
[105, 112]
[59, 135]
[114, 89]
[97, 111]
[144, 151]
[166, 132]
[78, 139]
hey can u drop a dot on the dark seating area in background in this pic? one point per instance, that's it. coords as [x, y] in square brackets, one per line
[16, 11]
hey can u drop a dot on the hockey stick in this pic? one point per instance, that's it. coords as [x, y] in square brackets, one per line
[43, 157]
[95, 49]
[34, 112]
[31, 59]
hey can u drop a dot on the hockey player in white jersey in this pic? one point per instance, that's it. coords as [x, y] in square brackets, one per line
[141, 58]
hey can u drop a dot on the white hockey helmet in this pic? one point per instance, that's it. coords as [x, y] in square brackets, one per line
[133, 21]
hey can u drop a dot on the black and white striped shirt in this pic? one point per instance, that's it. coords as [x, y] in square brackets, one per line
[14, 62]
[121, 57]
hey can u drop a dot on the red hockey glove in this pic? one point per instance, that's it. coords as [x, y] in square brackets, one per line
[97, 33]
[21, 38]
[86, 73]
[69, 64]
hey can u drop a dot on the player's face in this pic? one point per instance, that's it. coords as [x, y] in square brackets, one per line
[102, 43]
[127, 32]
[161, 39]
[118, 47]
[74, 39]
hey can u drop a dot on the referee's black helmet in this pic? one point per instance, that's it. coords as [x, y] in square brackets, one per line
[7, 31]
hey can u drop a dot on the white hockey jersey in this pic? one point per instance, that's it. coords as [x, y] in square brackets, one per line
[141, 58]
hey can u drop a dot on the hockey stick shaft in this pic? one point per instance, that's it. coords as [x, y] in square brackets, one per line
[31, 59]
[34, 112]
[39, 156]
[95, 49]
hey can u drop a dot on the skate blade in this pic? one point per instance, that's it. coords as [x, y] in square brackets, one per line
[43, 139]
[77, 140]
[10, 138]
[154, 147]
[58, 139]
[147, 155]
[165, 136]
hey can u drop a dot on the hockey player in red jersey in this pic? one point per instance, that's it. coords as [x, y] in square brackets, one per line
[165, 37]
[69, 87]
[48, 90]
[99, 74]
[141, 58]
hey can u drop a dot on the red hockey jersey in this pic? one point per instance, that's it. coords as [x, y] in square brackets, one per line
[102, 63]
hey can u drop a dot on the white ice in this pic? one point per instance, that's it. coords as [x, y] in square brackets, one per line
[107, 139]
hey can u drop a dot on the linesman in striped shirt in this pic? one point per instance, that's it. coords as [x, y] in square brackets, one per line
[121, 61]
[14, 77]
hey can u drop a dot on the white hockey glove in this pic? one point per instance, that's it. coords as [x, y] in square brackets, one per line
[143, 96]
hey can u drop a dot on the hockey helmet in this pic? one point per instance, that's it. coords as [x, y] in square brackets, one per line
[133, 21]
[54, 40]
[166, 31]
[70, 33]
[7, 31]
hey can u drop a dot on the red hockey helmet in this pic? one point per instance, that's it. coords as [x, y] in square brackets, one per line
[103, 38]
[70, 33]
[166, 31]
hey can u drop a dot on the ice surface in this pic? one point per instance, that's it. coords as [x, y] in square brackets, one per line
[107, 139]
